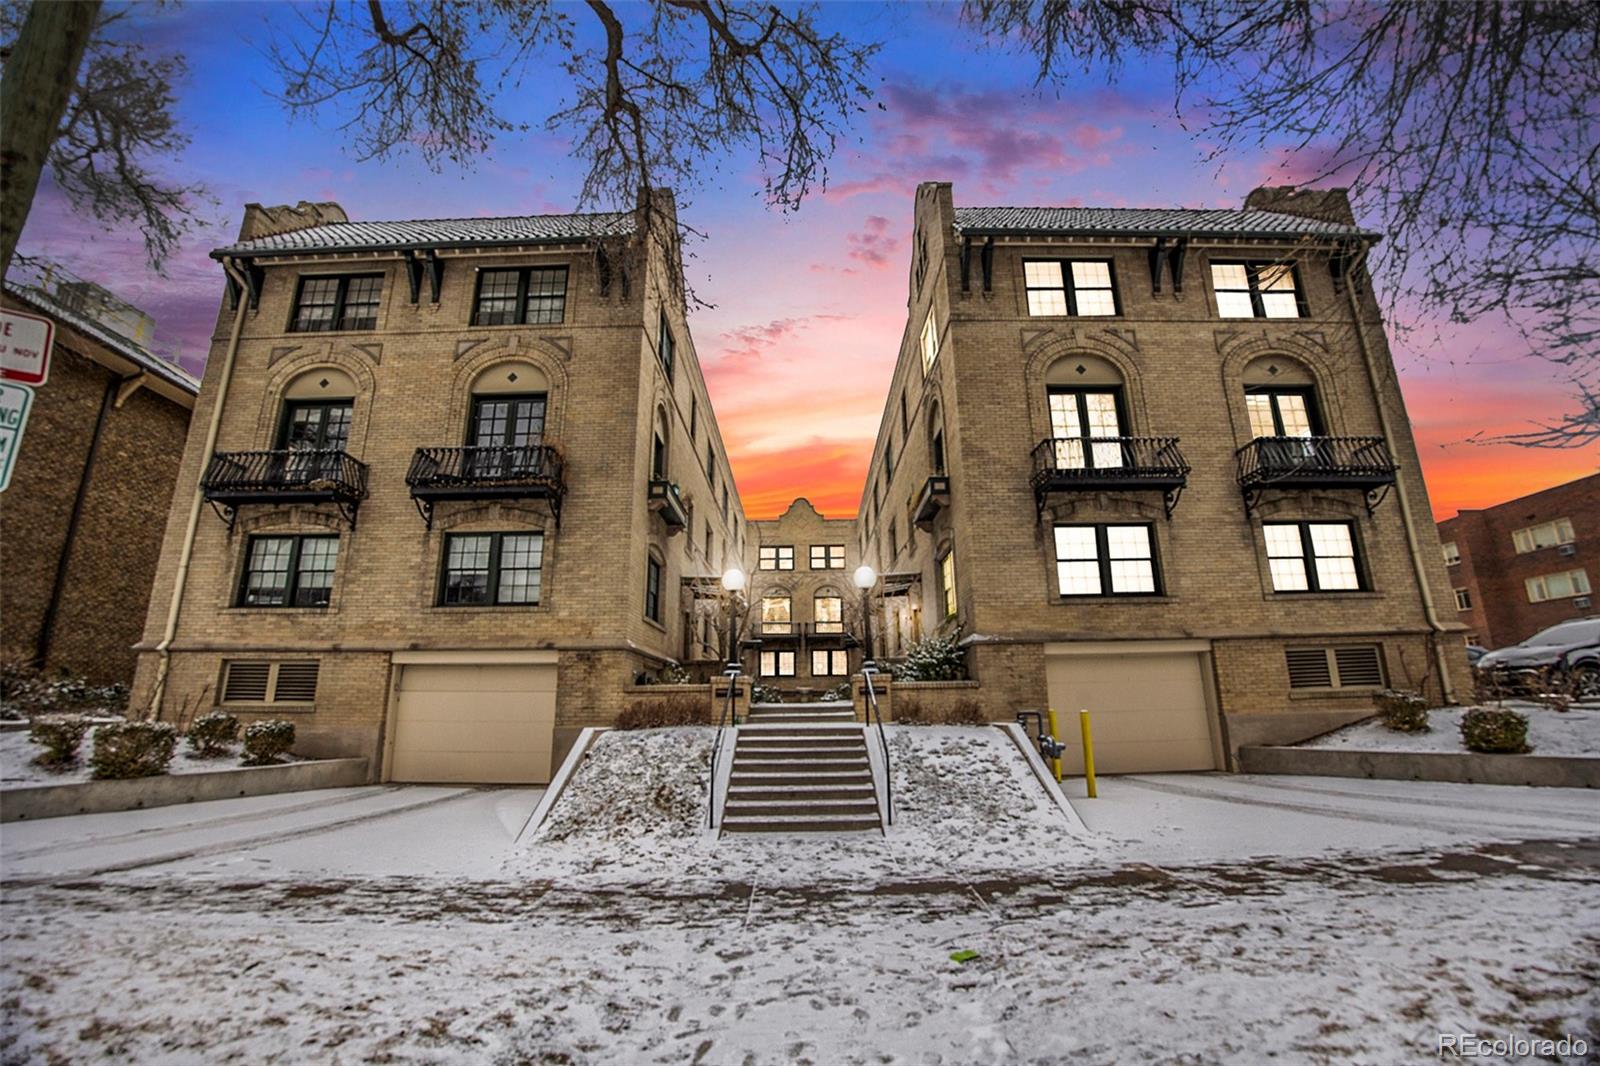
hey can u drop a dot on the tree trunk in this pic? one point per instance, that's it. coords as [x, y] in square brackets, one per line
[40, 76]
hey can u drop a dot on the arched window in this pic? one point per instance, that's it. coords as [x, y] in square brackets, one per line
[505, 429]
[317, 407]
[1280, 395]
[1087, 412]
[658, 447]
[936, 456]
[827, 611]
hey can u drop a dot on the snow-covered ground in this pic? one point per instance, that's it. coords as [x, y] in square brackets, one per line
[965, 806]
[1571, 732]
[17, 768]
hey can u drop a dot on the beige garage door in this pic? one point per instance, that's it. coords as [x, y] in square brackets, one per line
[1148, 711]
[477, 724]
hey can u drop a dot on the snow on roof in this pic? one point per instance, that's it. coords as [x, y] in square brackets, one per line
[437, 233]
[1148, 221]
[169, 372]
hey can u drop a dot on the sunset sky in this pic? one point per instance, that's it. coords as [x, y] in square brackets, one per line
[808, 306]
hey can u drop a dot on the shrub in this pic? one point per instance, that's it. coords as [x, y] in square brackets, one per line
[910, 711]
[665, 711]
[765, 694]
[60, 735]
[937, 658]
[132, 749]
[1403, 712]
[267, 741]
[1494, 730]
[26, 691]
[211, 734]
[966, 711]
[841, 691]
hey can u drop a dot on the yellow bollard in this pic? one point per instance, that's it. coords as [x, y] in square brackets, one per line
[1055, 763]
[1088, 751]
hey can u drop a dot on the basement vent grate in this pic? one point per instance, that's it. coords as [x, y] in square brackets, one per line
[1345, 666]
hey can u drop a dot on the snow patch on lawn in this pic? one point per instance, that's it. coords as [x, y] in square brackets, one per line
[17, 768]
[966, 806]
[1572, 732]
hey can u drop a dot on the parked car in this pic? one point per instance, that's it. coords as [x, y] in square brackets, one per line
[1475, 652]
[1566, 654]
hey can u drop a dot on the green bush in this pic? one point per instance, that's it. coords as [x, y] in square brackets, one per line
[267, 741]
[765, 694]
[664, 712]
[60, 735]
[1494, 730]
[1403, 712]
[909, 710]
[132, 749]
[211, 734]
[937, 658]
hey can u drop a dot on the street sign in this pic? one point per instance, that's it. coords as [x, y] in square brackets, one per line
[25, 342]
[15, 403]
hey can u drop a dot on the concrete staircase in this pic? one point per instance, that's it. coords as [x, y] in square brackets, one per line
[800, 768]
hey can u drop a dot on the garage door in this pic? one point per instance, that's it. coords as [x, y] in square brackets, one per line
[1148, 710]
[477, 724]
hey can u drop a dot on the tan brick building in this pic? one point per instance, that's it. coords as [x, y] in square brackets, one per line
[80, 524]
[448, 490]
[805, 613]
[1526, 564]
[1156, 463]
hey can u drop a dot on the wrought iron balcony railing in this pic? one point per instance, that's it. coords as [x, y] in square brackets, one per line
[1315, 463]
[935, 497]
[662, 497]
[286, 476]
[1094, 464]
[487, 472]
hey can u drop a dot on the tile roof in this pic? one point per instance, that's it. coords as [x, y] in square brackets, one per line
[1148, 221]
[436, 233]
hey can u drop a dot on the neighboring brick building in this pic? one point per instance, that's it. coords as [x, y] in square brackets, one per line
[463, 473]
[1526, 564]
[1156, 463]
[80, 525]
[805, 612]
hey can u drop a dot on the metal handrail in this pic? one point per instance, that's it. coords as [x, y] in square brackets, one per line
[875, 713]
[486, 465]
[287, 470]
[1087, 459]
[1358, 459]
[728, 713]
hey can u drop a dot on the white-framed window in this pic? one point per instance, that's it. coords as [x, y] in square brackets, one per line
[1105, 560]
[1543, 535]
[776, 557]
[1559, 586]
[777, 664]
[1312, 556]
[1452, 553]
[1463, 599]
[830, 662]
[1256, 290]
[947, 583]
[776, 614]
[930, 342]
[827, 556]
[1081, 287]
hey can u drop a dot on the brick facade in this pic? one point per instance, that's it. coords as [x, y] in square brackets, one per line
[1495, 574]
[126, 478]
[801, 529]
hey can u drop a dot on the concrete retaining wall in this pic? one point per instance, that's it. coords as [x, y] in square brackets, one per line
[98, 797]
[1550, 771]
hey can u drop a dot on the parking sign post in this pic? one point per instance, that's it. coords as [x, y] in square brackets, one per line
[15, 403]
[25, 343]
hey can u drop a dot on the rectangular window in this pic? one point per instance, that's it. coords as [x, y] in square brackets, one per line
[1346, 666]
[1281, 412]
[1463, 599]
[947, 583]
[1080, 287]
[1544, 535]
[652, 588]
[905, 416]
[1257, 290]
[834, 662]
[930, 342]
[1557, 586]
[492, 569]
[938, 452]
[828, 614]
[255, 681]
[777, 664]
[1105, 560]
[776, 616]
[1080, 414]
[694, 418]
[776, 557]
[291, 571]
[711, 467]
[666, 349]
[827, 556]
[1452, 554]
[894, 540]
[710, 542]
[530, 295]
[345, 302]
[1312, 556]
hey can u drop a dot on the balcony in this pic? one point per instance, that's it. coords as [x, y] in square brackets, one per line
[826, 633]
[1315, 463]
[935, 497]
[527, 472]
[662, 497]
[1109, 464]
[779, 632]
[300, 476]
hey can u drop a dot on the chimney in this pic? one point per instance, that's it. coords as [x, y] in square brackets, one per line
[268, 221]
[1328, 205]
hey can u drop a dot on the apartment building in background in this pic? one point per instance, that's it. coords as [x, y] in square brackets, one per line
[803, 633]
[1155, 463]
[80, 524]
[449, 491]
[1526, 564]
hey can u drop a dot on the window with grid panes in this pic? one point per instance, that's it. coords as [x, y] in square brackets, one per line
[777, 664]
[348, 301]
[776, 557]
[830, 662]
[1557, 586]
[528, 295]
[1105, 560]
[947, 583]
[1312, 557]
[652, 588]
[1080, 287]
[930, 342]
[827, 612]
[827, 556]
[288, 571]
[666, 348]
[492, 569]
[1544, 535]
[1080, 416]
[1256, 290]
